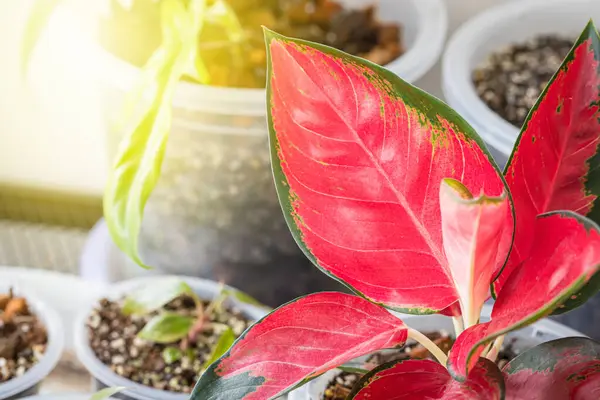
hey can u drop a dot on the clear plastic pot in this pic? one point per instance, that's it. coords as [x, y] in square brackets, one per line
[510, 22]
[540, 332]
[29, 383]
[103, 376]
[215, 213]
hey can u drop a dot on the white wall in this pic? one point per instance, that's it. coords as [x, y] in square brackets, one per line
[47, 139]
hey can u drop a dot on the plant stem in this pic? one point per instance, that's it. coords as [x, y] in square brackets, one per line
[495, 350]
[458, 325]
[429, 345]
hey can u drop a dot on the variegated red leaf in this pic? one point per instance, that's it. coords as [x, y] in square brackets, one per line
[428, 380]
[358, 156]
[296, 343]
[554, 165]
[561, 369]
[472, 230]
[564, 257]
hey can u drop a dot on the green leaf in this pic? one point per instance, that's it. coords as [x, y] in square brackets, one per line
[150, 298]
[106, 393]
[225, 341]
[244, 298]
[171, 354]
[197, 70]
[137, 167]
[167, 328]
[353, 370]
[38, 19]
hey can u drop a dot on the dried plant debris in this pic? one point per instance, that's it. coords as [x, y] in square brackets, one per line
[172, 366]
[512, 78]
[340, 386]
[23, 337]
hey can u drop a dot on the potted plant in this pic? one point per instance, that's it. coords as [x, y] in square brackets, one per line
[390, 191]
[213, 193]
[31, 343]
[153, 336]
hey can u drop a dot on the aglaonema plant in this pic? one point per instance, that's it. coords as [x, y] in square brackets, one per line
[389, 191]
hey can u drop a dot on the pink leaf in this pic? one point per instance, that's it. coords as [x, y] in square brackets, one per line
[565, 255]
[428, 380]
[472, 230]
[561, 369]
[296, 343]
[553, 163]
[358, 156]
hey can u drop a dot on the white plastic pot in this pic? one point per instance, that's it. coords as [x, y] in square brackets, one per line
[508, 23]
[29, 383]
[103, 376]
[542, 331]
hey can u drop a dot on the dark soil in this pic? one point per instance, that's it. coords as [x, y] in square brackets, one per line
[339, 387]
[113, 338]
[23, 337]
[513, 78]
[243, 64]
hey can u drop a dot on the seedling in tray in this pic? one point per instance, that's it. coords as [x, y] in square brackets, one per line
[163, 335]
[389, 191]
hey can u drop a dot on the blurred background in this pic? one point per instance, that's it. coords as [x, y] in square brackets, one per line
[214, 212]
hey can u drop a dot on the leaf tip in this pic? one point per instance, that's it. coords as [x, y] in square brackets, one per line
[457, 188]
[271, 34]
[589, 32]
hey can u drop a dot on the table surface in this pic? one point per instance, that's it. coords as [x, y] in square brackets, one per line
[67, 377]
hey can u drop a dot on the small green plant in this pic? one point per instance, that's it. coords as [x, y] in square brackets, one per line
[106, 393]
[169, 327]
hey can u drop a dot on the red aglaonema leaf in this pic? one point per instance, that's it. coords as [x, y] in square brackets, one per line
[452, 311]
[561, 369]
[554, 165]
[428, 380]
[564, 257]
[298, 342]
[358, 157]
[472, 229]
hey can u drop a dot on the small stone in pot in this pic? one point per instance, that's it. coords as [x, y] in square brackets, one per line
[511, 80]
